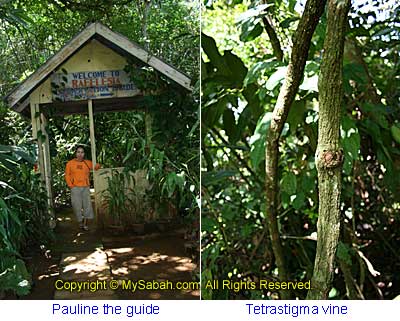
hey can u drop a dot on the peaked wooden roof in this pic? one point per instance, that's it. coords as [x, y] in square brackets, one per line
[18, 98]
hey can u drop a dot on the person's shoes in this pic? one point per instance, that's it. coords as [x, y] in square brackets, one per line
[81, 226]
[85, 228]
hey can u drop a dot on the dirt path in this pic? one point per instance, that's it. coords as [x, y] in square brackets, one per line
[89, 256]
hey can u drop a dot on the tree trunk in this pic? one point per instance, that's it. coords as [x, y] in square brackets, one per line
[329, 155]
[273, 36]
[148, 120]
[294, 74]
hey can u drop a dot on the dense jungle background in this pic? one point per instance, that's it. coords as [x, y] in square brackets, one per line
[30, 33]
[246, 50]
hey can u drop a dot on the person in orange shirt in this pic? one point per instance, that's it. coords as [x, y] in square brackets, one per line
[77, 174]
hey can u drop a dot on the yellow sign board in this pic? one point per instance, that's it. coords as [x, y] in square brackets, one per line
[85, 85]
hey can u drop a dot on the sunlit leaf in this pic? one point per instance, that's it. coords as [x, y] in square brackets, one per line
[276, 78]
[257, 141]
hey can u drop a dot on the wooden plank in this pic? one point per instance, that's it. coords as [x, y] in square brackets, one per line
[34, 121]
[55, 61]
[135, 50]
[41, 160]
[105, 34]
[93, 150]
[91, 128]
[109, 105]
[47, 169]
[21, 106]
[36, 127]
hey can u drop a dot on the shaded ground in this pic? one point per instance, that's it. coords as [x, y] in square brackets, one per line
[91, 256]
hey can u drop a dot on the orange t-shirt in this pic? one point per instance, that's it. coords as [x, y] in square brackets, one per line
[77, 173]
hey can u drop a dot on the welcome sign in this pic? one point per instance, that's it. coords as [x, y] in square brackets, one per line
[85, 85]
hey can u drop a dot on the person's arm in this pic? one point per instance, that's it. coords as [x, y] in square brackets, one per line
[68, 175]
[90, 165]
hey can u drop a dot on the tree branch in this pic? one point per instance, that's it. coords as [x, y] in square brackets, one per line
[276, 45]
[294, 73]
[329, 156]
[240, 159]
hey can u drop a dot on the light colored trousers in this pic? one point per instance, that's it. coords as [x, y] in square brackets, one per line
[81, 203]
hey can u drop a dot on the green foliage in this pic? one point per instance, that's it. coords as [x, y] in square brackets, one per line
[235, 243]
[250, 22]
[118, 197]
[343, 253]
[14, 275]
[395, 130]
[257, 141]
[30, 33]
[289, 184]
[23, 216]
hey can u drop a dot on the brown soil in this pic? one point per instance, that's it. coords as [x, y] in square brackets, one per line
[153, 257]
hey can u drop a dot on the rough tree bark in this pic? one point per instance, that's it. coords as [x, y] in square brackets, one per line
[148, 120]
[294, 74]
[273, 37]
[329, 155]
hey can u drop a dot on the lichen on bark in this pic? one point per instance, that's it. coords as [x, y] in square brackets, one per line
[329, 155]
[301, 44]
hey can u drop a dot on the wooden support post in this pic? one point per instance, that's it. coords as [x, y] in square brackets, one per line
[47, 171]
[36, 128]
[39, 133]
[92, 139]
[97, 198]
[34, 121]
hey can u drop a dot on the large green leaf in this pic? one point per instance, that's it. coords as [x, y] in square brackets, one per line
[310, 83]
[214, 109]
[251, 22]
[296, 114]
[229, 124]
[8, 162]
[289, 183]
[350, 138]
[236, 67]
[14, 275]
[257, 70]
[395, 131]
[356, 72]
[257, 141]
[276, 78]
[255, 12]
[210, 178]
[244, 119]
[211, 50]
[343, 253]
[208, 224]
[299, 200]
[308, 182]
[250, 30]
[228, 213]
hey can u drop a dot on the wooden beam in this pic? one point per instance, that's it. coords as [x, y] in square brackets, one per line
[47, 170]
[16, 99]
[91, 128]
[52, 64]
[135, 50]
[97, 196]
[36, 130]
[34, 121]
